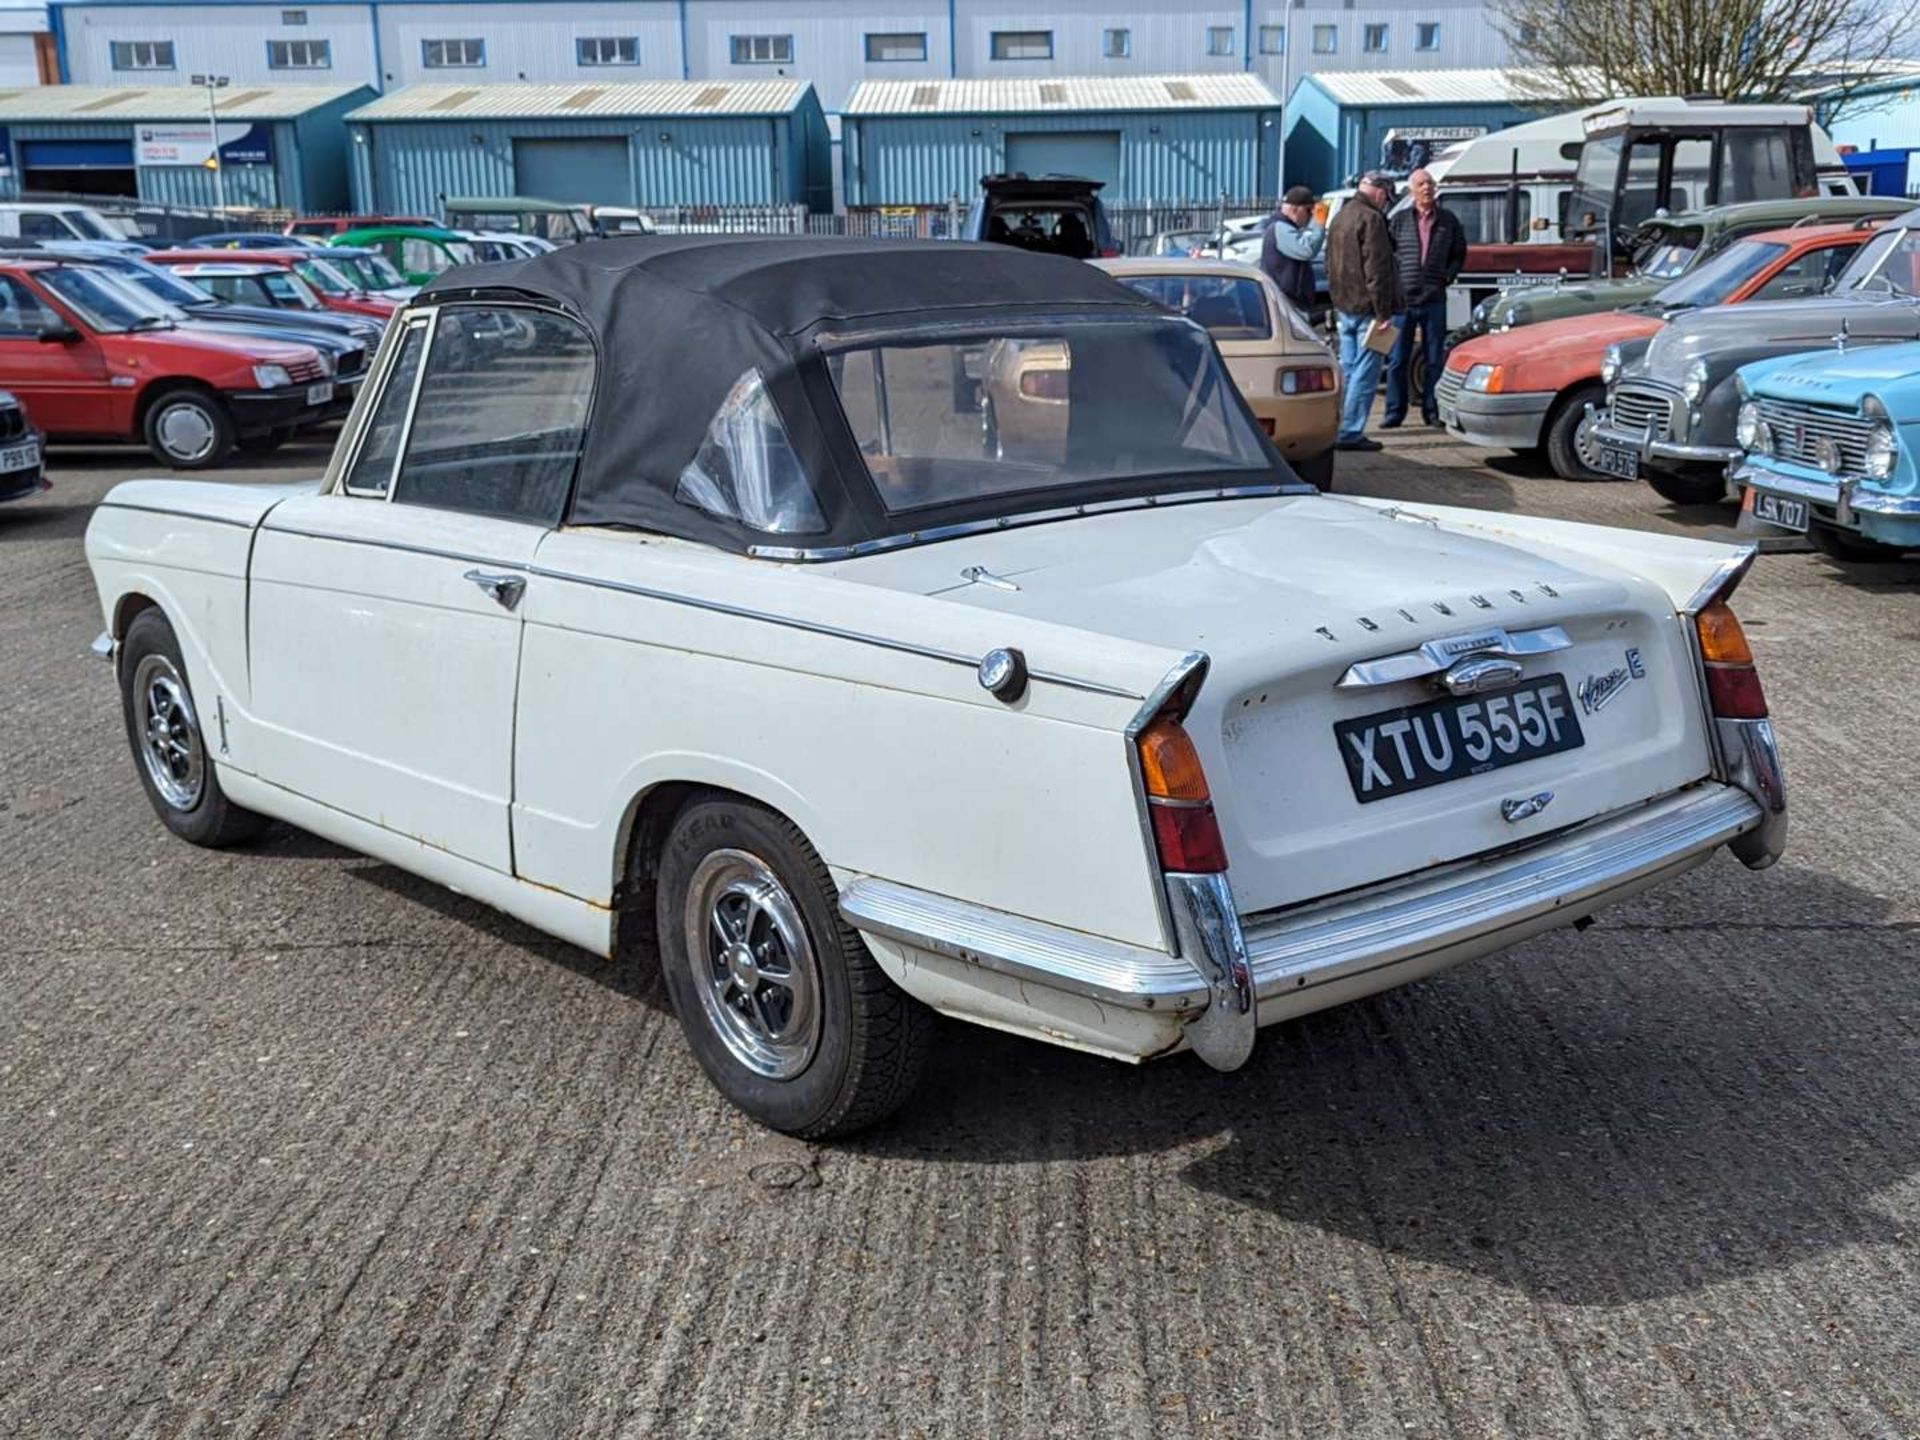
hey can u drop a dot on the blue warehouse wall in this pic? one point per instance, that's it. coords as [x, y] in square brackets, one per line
[1170, 155]
[671, 160]
[1328, 143]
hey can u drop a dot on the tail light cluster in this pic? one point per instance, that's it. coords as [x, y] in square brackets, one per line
[1733, 685]
[1306, 380]
[1185, 831]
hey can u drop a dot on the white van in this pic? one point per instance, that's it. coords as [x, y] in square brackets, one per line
[30, 220]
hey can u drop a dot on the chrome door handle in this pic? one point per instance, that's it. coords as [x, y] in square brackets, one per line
[505, 589]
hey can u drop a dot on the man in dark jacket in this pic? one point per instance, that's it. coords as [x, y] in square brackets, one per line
[1293, 240]
[1431, 248]
[1364, 282]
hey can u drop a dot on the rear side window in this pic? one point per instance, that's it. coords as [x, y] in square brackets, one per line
[747, 469]
[502, 414]
[1227, 308]
[21, 312]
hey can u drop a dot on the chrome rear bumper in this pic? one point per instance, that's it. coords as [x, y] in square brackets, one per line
[1307, 958]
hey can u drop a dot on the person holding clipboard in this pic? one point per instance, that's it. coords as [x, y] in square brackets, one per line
[1364, 282]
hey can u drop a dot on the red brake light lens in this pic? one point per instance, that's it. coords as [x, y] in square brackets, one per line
[1188, 839]
[1044, 384]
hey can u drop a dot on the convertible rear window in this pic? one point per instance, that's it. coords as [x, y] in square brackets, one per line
[1081, 403]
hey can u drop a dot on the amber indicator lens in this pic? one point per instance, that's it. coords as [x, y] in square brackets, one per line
[1722, 641]
[1169, 764]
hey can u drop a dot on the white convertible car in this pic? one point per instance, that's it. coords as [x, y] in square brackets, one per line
[673, 591]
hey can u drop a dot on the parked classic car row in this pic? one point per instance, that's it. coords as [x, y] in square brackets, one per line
[676, 598]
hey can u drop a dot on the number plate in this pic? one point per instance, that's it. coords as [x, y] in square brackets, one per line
[20, 457]
[1615, 460]
[320, 394]
[1394, 751]
[1779, 510]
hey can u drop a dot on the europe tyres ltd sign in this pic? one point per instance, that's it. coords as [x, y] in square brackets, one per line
[192, 144]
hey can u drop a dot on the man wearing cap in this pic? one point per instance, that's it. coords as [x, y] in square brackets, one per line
[1293, 240]
[1431, 247]
[1365, 284]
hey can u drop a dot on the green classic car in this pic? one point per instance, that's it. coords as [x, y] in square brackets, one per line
[1667, 247]
[419, 252]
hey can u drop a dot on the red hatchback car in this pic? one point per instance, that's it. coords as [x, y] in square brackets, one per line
[92, 360]
[310, 265]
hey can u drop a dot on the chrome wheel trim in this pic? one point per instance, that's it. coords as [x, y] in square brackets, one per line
[169, 733]
[753, 964]
[185, 430]
[1584, 448]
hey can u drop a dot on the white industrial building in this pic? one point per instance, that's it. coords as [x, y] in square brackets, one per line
[835, 44]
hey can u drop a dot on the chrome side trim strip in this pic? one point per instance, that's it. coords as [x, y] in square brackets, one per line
[1291, 951]
[814, 627]
[938, 533]
[176, 514]
[1107, 971]
[1721, 583]
[1436, 655]
[399, 545]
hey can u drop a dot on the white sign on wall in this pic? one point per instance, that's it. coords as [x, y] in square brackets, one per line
[180, 144]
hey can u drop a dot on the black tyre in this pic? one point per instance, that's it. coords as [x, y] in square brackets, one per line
[1564, 442]
[188, 429]
[784, 1007]
[1688, 489]
[1845, 545]
[1316, 470]
[170, 751]
[266, 442]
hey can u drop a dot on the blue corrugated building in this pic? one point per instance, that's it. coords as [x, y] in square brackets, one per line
[281, 147]
[653, 143]
[1149, 137]
[1339, 125]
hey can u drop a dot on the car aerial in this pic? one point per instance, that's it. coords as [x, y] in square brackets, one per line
[337, 284]
[667, 594]
[1284, 371]
[1535, 387]
[22, 462]
[94, 359]
[347, 342]
[1672, 400]
[1828, 444]
[1666, 248]
[1052, 214]
[418, 252]
[324, 227]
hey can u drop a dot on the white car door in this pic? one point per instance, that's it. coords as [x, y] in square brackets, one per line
[384, 626]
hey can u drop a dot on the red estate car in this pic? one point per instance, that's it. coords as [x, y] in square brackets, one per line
[92, 360]
[335, 290]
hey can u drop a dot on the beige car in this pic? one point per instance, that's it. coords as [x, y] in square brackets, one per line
[1285, 371]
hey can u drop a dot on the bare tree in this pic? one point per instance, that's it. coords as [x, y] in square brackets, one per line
[1752, 50]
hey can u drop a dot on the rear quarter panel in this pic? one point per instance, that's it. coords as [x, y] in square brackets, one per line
[894, 764]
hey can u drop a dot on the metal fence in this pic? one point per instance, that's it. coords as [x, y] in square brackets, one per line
[1134, 225]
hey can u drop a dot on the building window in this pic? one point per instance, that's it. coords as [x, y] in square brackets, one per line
[143, 55]
[299, 54]
[1117, 44]
[293, 17]
[1326, 39]
[1022, 45]
[1373, 39]
[1219, 40]
[607, 50]
[905, 45]
[453, 54]
[1426, 36]
[1273, 39]
[762, 49]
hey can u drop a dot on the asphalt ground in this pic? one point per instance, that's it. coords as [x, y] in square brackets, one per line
[294, 1144]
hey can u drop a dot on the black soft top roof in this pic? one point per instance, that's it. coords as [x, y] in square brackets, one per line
[678, 319]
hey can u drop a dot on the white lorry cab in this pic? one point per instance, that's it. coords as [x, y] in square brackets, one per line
[48, 220]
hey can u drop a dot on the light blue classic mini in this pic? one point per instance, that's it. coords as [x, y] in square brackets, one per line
[1830, 438]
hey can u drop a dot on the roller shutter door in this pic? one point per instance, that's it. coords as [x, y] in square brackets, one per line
[1095, 156]
[580, 169]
